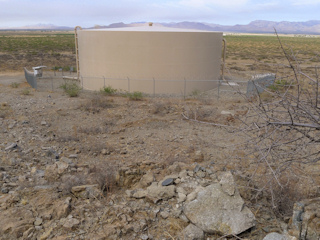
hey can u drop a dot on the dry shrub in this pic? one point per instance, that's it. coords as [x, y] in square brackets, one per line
[281, 132]
[162, 107]
[97, 103]
[92, 130]
[67, 139]
[68, 181]
[97, 147]
[285, 196]
[103, 174]
[158, 108]
[4, 110]
[174, 227]
[198, 113]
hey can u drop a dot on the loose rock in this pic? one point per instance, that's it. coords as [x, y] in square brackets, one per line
[167, 182]
[214, 211]
[11, 146]
[156, 192]
[87, 191]
[192, 232]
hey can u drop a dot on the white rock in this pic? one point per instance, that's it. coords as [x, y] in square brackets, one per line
[140, 193]
[192, 232]
[223, 112]
[156, 192]
[227, 183]
[71, 223]
[181, 197]
[278, 236]
[214, 211]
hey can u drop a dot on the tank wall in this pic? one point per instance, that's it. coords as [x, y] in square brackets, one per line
[141, 56]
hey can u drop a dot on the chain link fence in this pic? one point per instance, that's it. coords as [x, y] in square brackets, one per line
[50, 80]
[221, 88]
[230, 87]
[53, 80]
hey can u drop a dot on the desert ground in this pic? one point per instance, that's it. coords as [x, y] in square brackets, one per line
[91, 166]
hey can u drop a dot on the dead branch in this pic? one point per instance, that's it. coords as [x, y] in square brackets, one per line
[296, 124]
[210, 123]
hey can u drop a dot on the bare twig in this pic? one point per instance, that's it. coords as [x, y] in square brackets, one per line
[317, 126]
[210, 123]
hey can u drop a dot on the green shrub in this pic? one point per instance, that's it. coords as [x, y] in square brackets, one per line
[195, 93]
[109, 90]
[280, 85]
[66, 68]
[56, 68]
[25, 91]
[72, 89]
[14, 85]
[135, 96]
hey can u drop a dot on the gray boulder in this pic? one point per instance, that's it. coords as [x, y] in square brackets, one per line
[274, 236]
[218, 210]
[278, 236]
[192, 232]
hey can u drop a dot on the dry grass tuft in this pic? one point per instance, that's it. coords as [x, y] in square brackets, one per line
[97, 103]
[104, 174]
[92, 130]
[69, 181]
[68, 139]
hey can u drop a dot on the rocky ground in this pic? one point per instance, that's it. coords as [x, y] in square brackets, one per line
[105, 167]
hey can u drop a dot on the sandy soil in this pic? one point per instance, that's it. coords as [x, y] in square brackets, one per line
[115, 131]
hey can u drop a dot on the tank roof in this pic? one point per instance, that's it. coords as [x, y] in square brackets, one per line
[147, 29]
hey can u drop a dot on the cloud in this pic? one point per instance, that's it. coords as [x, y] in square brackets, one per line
[213, 3]
[87, 12]
[305, 2]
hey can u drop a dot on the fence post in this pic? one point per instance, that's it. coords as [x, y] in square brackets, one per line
[51, 83]
[81, 82]
[185, 88]
[154, 87]
[128, 84]
[219, 89]
[104, 82]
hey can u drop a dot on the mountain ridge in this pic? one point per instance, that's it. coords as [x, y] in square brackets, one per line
[257, 26]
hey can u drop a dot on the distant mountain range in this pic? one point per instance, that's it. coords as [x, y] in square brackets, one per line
[39, 26]
[258, 26]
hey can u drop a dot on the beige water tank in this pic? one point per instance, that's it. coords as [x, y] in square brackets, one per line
[149, 59]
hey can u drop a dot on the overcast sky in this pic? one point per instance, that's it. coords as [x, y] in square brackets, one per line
[87, 13]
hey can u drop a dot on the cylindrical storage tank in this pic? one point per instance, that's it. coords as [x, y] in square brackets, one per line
[149, 59]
